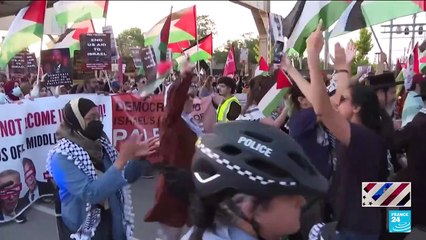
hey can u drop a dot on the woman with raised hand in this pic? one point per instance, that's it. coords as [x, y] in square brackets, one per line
[251, 182]
[92, 178]
[360, 127]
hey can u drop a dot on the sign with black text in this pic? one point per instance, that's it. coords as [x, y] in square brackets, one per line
[96, 51]
[114, 53]
[23, 64]
[149, 64]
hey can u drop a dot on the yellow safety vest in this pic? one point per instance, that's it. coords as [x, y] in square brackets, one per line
[223, 109]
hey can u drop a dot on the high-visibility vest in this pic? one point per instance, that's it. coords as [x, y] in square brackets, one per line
[223, 109]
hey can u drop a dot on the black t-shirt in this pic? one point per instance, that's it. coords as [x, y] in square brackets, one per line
[364, 160]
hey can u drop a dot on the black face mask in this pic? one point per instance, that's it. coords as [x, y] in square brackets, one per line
[94, 130]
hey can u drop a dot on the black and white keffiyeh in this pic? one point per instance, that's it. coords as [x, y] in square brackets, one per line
[81, 159]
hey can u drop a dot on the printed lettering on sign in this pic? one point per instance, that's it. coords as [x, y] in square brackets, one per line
[250, 143]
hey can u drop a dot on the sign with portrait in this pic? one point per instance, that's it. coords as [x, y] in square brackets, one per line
[56, 63]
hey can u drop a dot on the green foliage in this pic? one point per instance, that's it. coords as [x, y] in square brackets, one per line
[205, 26]
[364, 45]
[248, 41]
[129, 38]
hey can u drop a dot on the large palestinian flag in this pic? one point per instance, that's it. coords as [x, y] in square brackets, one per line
[361, 14]
[71, 38]
[183, 27]
[78, 11]
[304, 18]
[26, 29]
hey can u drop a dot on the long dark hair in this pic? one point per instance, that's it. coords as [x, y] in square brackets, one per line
[258, 86]
[295, 93]
[372, 115]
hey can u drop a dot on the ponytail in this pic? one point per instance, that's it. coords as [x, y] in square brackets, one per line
[202, 214]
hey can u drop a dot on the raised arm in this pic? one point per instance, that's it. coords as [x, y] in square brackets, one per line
[179, 95]
[300, 81]
[335, 122]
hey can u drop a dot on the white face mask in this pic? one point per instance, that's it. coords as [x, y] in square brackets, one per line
[2, 98]
[17, 92]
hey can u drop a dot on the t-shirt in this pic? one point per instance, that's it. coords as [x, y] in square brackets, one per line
[253, 113]
[364, 160]
[313, 138]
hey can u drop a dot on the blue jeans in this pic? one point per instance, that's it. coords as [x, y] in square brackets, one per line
[350, 235]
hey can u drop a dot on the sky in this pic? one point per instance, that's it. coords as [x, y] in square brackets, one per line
[232, 20]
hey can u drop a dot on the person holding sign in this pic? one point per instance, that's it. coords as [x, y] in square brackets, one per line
[92, 178]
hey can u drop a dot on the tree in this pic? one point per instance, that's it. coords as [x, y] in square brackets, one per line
[364, 45]
[129, 38]
[247, 40]
[205, 26]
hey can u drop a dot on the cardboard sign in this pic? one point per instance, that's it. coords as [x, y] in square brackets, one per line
[114, 52]
[79, 73]
[21, 65]
[136, 55]
[57, 64]
[96, 51]
[149, 64]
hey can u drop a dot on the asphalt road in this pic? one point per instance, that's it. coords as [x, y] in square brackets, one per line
[41, 222]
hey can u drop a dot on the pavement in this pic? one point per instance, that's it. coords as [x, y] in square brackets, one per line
[41, 221]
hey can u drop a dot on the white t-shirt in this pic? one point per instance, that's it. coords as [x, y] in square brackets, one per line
[253, 114]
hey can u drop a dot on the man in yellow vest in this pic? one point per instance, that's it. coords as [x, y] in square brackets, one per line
[229, 109]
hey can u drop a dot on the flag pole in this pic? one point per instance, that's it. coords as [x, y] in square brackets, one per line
[41, 45]
[198, 49]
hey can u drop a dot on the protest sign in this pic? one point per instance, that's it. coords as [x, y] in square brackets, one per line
[204, 113]
[28, 133]
[136, 55]
[23, 64]
[96, 51]
[114, 53]
[56, 63]
[149, 64]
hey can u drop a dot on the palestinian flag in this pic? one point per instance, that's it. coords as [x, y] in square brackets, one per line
[274, 96]
[78, 11]
[164, 38]
[361, 14]
[262, 68]
[71, 38]
[178, 47]
[183, 27]
[202, 51]
[304, 18]
[26, 29]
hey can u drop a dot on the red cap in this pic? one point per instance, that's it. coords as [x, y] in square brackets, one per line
[418, 78]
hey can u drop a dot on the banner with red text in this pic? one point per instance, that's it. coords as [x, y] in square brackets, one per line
[27, 133]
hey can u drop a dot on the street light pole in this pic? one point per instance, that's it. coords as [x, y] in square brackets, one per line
[414, 31]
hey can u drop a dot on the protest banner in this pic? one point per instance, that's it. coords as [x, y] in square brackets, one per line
[135, 115]
[57, 64]
[27, 132]
[96, 51]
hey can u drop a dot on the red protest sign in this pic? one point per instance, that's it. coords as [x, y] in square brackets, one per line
[134, 115]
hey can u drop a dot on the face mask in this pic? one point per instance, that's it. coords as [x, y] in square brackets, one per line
[2, 98]
[16, 92]
[94, 130]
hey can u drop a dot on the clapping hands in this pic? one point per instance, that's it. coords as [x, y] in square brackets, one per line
[134, 147]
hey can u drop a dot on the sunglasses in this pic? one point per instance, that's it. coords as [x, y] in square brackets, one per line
[10, 191]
